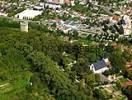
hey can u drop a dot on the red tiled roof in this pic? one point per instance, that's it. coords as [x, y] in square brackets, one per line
[126, 84]
[129, 66]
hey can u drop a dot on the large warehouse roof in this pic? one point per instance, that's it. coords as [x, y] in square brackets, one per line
[29, 14]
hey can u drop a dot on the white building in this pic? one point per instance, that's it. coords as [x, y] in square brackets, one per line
[53, 6]
[128, 25]
[24, 26]
[3, 14]
[39, 8]
[85, 1]
[28, 14]
[69, 2]
[100, 66]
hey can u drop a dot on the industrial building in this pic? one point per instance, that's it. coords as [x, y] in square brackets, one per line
[28, 14]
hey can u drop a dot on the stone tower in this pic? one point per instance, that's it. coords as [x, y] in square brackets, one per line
[24, 26]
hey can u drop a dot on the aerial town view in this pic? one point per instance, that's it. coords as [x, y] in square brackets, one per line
[65, 49]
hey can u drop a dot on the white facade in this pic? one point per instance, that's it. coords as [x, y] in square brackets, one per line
[28, 14]
[53, 6]
[3, 14]
[85, 1]
[24, 26]
[101, 69]
[72, 3]
[98, 71]
[61, 1]
[128, 25]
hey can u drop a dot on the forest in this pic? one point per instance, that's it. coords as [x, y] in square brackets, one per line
[39, 65]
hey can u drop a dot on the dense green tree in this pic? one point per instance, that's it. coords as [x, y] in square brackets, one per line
[39, 64]
[117, 60]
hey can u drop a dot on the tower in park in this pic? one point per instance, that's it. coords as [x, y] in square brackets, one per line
[24, 26]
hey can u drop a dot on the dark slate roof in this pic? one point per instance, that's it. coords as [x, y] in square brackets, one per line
[99, 65]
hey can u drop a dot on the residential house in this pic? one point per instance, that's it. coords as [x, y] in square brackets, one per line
[100, 66]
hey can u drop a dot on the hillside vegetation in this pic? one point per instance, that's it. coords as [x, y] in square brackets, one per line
[39, 65]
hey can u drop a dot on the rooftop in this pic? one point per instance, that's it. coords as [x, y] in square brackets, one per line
[29, 13]
[100, 64]
[126, 84]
